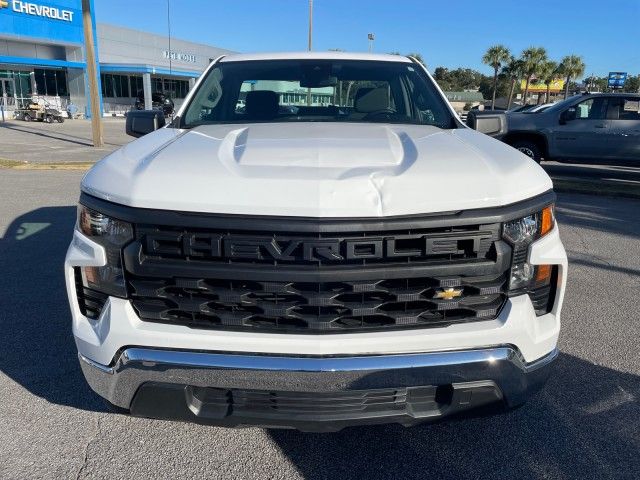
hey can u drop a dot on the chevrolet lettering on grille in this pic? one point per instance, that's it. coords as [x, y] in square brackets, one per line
[262, 248]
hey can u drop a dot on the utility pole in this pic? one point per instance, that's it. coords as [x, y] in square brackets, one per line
[371, 38]
[92, 74]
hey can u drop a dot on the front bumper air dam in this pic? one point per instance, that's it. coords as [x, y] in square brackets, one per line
[313, 393]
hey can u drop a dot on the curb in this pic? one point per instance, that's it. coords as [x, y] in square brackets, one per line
[564, 185]
[17, 165]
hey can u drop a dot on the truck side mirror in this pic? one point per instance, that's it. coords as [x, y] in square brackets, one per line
[488, 122]
[141, 122]
[568, 115]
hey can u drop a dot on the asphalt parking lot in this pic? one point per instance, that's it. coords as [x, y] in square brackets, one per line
[585, 424]
[71, 141]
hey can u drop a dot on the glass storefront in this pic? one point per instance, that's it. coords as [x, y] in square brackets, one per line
[52, 83]
[15, 85]
[128, 86]
[170, 87]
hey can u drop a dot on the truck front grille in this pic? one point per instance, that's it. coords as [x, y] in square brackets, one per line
[318, 307]
[315, 276]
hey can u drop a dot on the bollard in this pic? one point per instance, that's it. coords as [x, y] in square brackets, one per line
[2, 111]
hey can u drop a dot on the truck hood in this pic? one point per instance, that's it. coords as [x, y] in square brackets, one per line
[316, 170]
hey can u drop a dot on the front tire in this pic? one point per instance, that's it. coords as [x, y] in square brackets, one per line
[529, 148]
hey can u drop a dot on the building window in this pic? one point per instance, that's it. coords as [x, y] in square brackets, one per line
[170, 87]
[156, 85]
[136, 86]
[114, 85]
[51, 82]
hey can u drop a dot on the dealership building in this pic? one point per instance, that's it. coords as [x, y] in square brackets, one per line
[42, 54]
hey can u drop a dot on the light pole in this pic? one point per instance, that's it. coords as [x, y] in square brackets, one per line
[310, 25]
[371, 38]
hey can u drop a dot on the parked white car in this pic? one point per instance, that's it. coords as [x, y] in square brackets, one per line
[369, 261]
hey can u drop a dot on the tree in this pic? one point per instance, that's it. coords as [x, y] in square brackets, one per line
[548, 72]
[513, 71]
[632, 85]
[495, 56]
[532, 58]
[441, 75]
[571, 66]
[465, 79]
[486, 87]
[459, 79]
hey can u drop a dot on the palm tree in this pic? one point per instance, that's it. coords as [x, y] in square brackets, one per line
[513, 71]
[571, 66]
[548, 72]
[495, 56]
[532, 58]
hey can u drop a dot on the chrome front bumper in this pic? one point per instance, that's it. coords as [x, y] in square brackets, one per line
[176, 385]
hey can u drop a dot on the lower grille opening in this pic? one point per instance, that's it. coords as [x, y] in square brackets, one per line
[90, 302]
[544, 297]
[317, 307]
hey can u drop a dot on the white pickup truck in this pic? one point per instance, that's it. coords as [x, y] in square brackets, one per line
[341, 250]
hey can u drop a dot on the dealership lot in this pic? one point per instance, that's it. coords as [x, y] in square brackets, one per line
[584, 424]
[71, 141]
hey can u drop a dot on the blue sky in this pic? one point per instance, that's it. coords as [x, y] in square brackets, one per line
[451, 34]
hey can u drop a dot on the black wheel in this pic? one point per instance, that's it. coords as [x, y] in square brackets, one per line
[60, 119]
[27, 117]
[529, 148]
[48, 119]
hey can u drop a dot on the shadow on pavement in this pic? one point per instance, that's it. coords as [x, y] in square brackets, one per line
[36, 345]
[62, 136]
[605, 214]
[584, 424]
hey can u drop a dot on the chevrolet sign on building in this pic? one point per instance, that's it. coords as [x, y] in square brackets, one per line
[40, 10]
[42, 54]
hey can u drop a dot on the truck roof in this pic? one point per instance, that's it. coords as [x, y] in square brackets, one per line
[329, 55]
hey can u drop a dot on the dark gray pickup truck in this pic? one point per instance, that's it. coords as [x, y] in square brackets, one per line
[589, 127]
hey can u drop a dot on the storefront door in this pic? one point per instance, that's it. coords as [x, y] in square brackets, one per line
[7, 93]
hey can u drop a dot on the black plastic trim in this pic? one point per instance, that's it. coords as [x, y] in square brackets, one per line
[137, 264]
[478, 216]
[311, 412]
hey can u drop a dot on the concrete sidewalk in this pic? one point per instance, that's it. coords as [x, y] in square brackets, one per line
[71, 141]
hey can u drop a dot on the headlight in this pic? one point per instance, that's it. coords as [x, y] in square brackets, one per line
[521, 233]
[527, 229]
[113, 235]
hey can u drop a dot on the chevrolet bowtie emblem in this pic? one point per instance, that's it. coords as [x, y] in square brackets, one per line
[448, 293]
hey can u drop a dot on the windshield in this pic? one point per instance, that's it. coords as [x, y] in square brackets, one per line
[317, 91]
[560, 105]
